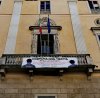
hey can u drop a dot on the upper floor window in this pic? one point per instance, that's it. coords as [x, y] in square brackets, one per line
[96, 32]
[46, 97]
[31, 0]
[94, 6]
[98, 38]
[0, 2]
[45, 7]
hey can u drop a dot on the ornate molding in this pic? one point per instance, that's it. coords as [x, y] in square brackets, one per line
[43, 22]
[45, 27]
[95, 28]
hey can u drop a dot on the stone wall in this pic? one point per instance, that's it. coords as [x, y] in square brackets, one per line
[66, 86]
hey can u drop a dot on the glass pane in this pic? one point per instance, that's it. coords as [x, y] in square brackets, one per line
[45, 49]
[95, 2]
[99, 37]
[42, 5]
[44, 37]
[48, 5]
[91, 4]
[45, 44]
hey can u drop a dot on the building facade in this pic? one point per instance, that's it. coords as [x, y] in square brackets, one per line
[58, 32]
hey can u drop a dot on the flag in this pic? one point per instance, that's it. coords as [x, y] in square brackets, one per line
[48, 25]
[40, 28]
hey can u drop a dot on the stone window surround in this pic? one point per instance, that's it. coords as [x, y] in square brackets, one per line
[97, 37]
[54, 32]
[45, 11]
[94, 7]
[0, 1]
[36, 96]
[96, 32]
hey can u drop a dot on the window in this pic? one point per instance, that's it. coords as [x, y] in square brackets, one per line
[96, 32]
[98, 38]
[45, 7]
[94, 6]
[46, 97]
[45, 44]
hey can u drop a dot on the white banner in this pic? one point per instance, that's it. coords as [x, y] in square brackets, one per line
[49, 62]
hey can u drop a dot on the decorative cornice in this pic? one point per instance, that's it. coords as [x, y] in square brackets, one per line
[45, 27]
[95, 28]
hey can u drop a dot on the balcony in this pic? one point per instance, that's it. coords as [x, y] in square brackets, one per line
[13, 62]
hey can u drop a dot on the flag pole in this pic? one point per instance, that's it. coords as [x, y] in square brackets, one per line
[48, 48]
[40, 33]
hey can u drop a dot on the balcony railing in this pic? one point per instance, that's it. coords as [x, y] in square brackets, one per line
[16, 59]
[14, 62]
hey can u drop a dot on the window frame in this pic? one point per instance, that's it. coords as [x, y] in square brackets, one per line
[30, 0]
[35, 39]
[98, 40]
[96, 33]
[36, 96]
[47, 49]
[54, 31]
[45, 10]
[0, 2]
[94, 10]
